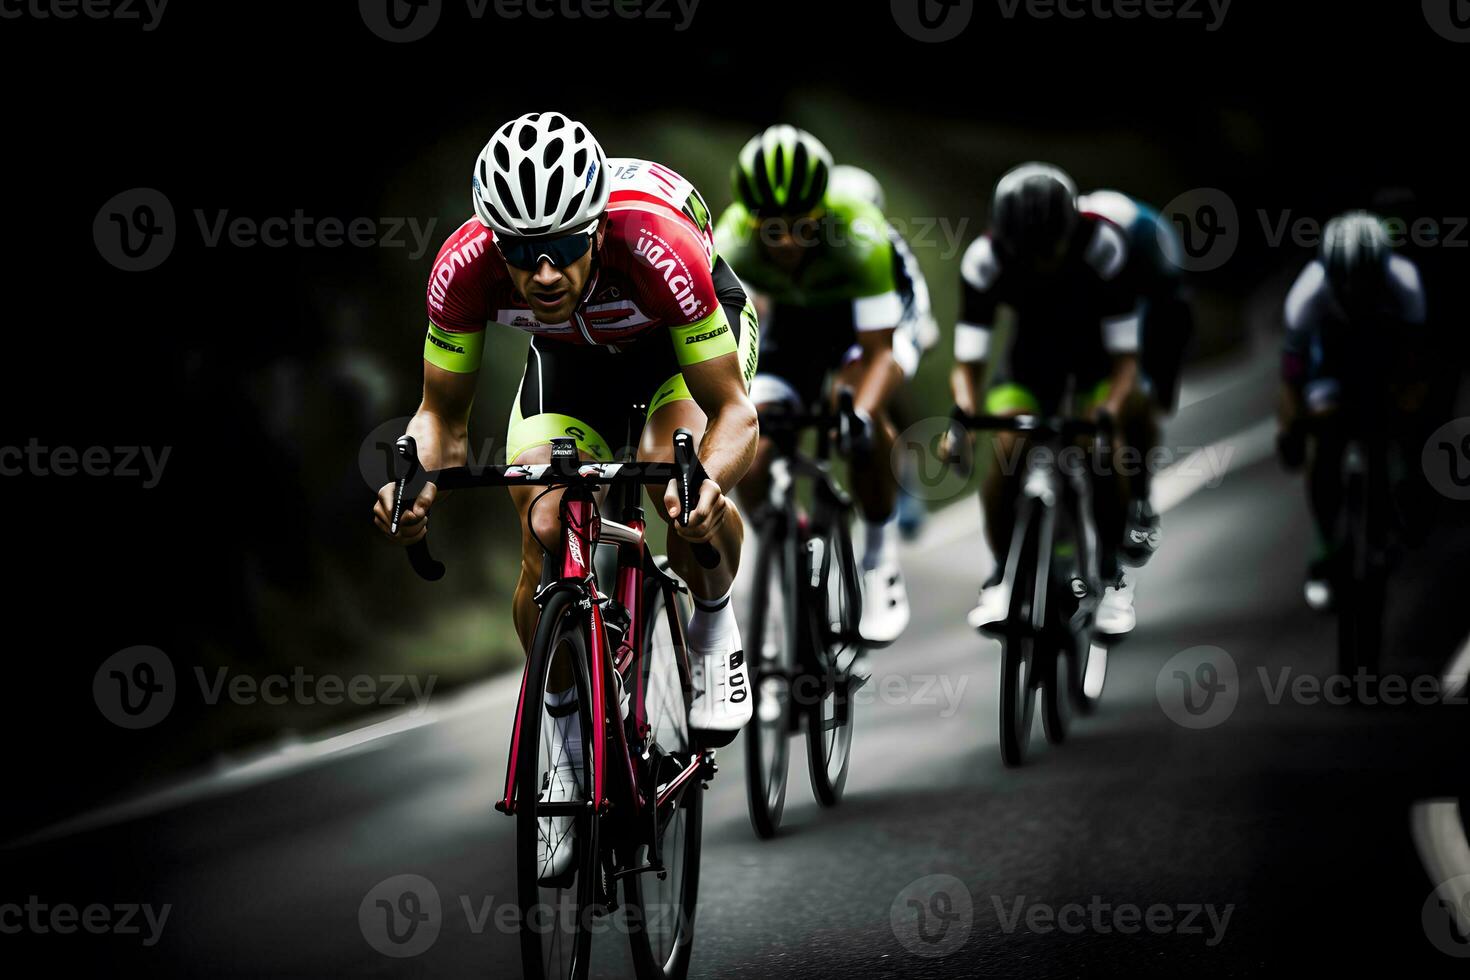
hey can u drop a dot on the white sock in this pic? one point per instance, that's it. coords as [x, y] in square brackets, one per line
[878, 541]
[568, 730]
[712, 626]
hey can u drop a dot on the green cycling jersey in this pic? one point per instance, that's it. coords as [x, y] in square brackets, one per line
[847, 254]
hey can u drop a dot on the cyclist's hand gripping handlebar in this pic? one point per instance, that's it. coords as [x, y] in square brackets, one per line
[690, 477]
[405, 469]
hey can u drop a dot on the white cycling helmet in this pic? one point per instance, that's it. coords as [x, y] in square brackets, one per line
[541, 174]
[857, 182]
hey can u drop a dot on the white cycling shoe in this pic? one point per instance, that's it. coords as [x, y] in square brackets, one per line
[885, 603]
[993, 605]
[725, 703]
[556, 839]
[1115, 615]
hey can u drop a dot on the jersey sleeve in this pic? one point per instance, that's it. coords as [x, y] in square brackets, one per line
[877, 303]
[458, 300]
[672, 268]
[979, 274]
[1120, 307]
[1303, 317]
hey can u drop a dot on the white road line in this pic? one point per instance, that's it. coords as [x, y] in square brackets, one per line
[1439, 836]
[1205, 467]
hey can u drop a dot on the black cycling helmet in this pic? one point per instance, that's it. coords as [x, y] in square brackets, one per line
[1355, 251]
[1034, 212]
[782, 171]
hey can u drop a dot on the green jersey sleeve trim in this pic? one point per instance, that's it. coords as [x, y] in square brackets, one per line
[456, 352]
[705, 340]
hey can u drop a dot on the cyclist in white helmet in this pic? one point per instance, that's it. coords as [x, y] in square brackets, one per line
[609, 266]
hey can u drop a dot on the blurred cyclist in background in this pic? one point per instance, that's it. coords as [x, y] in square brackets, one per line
[1076, 321]
[1154, 275]
[1355, 337]
[917, 333]
[830, 288]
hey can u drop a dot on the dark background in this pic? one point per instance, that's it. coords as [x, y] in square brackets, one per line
[265, 369]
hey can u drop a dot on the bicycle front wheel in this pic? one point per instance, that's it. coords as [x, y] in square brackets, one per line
[772, 642]
[661, 907]
[558, 864]
[834, 609]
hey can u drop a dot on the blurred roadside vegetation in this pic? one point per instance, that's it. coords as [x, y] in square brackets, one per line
[343, 602]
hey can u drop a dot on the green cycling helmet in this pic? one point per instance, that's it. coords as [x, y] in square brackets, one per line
[782, 172]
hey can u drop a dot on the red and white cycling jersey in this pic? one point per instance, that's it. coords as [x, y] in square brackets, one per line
[654, 270]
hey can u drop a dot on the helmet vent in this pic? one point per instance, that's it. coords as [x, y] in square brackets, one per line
[502, 191]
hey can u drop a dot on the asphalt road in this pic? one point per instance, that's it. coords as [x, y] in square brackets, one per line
[1278, 837]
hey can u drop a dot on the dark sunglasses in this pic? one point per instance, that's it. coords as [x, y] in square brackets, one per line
[526, 253]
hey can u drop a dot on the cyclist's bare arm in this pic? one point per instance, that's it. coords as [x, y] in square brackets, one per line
[729, 442]
[1122, 383]
[966, 380]
[879, 375]
[441, 428]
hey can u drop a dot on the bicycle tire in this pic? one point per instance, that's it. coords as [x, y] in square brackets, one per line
[768, 744]
[1058, 666]
[1018, 648]
[830, 719]
[561, 631]
[661, 930]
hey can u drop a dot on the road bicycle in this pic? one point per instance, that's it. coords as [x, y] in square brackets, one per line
[805, 607]
[1053, 577]
[637, 816]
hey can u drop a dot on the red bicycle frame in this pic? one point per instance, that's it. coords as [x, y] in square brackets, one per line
[582, 529]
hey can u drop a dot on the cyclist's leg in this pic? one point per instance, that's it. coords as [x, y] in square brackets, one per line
[1002, 476]
[1324, 468]
[724, 705]
[557, 398]
[791, 371]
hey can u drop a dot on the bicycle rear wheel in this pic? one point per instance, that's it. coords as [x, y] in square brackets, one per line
[661, 907]
[556, 939]
[834, 609]
[772, 641]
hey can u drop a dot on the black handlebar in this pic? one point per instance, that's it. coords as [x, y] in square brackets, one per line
[1059, 426]
[781, 423]
[563, 470]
